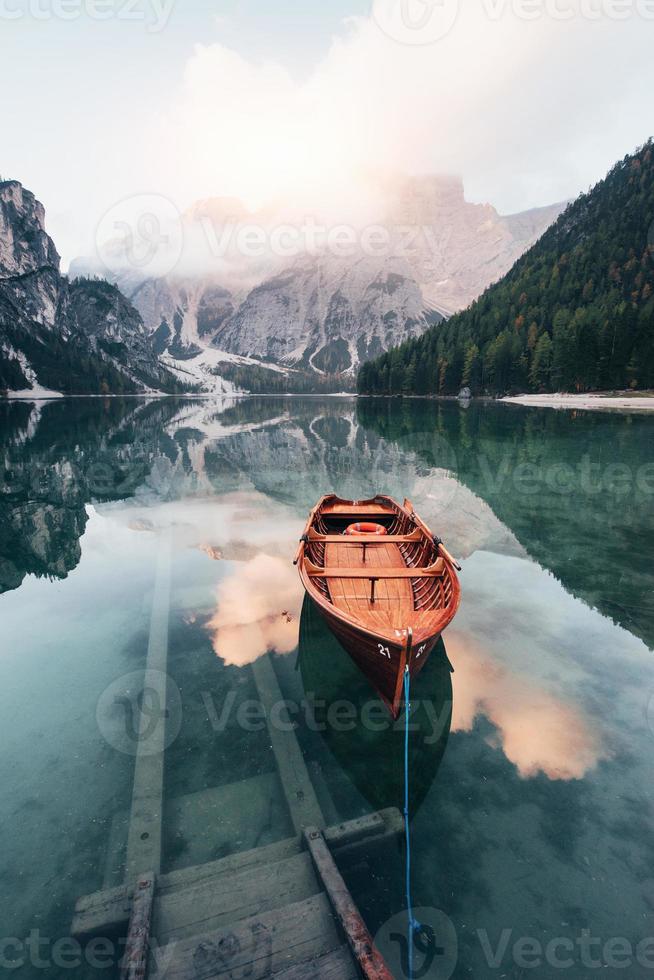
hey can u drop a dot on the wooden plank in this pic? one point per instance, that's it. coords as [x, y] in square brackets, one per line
[109, 911]
[337, 965]
[366, 538]
[351, 588]
[371, 962]
[218, 901]
[135, 959]
[229, 866]
[347, 511]
[227, 819]
[102, 913]
[389, 821]
[144, 838]
[369, 571]
[255, 948]
[351, 852]
[300, 795]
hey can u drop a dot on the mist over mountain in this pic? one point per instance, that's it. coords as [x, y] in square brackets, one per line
[320, 295]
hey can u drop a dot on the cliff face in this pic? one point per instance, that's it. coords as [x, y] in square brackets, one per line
[57, 336]
[327, 314]
[458, 248]
[25, 246]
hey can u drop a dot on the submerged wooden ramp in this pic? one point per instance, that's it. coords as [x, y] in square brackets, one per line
[278, 911]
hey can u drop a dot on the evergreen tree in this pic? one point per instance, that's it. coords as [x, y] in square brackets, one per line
[541, 365]
[576, 312]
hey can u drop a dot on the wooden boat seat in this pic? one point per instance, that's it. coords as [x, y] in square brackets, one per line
[364, 509]
[433, 571]
[374, 516]
[365, 538]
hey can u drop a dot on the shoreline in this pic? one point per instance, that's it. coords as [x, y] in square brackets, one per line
[596, 401]
[160, 395]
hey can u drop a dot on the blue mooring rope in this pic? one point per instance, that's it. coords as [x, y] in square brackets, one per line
[414, 925]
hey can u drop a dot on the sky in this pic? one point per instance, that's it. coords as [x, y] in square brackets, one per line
[530, 101]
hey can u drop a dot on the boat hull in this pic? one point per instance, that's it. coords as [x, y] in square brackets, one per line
[383, 662]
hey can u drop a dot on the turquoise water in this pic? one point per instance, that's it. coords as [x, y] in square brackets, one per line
[531, 805]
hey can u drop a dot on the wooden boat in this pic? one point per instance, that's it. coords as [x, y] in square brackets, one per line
[385, 584]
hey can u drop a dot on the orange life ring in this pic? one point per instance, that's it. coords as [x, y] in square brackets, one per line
[366, 528]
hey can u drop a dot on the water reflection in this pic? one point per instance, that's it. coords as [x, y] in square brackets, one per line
[257, 611]
[358, 729]
[532, 803]
[55, 460]
[576, 489]
[536, 730]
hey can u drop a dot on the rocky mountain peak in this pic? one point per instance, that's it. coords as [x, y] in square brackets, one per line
[57, 336]
[25, 246]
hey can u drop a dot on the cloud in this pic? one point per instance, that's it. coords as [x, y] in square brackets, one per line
[518, 106]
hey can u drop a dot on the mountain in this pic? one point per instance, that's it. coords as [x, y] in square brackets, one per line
[455, 248]
[575, 313]
[56, 336]
[319, 313]
[327, 314]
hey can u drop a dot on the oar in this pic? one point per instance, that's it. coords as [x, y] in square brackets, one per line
[303, 541]
[448, 557]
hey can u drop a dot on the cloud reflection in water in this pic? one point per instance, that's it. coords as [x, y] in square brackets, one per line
[258, 610]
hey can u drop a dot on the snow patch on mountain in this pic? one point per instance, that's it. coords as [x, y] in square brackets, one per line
[203, 370]
[35, 392]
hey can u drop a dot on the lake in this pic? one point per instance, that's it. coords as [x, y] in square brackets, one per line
[531, 765]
